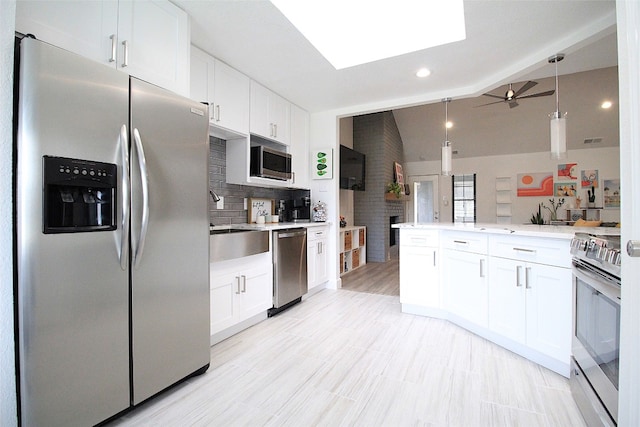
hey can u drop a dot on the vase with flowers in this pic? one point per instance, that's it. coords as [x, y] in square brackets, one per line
[553, 210]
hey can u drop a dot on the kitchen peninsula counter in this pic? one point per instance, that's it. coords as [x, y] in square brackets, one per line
[530, 230]
[509, 283]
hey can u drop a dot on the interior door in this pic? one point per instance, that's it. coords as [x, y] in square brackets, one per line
[423, 206]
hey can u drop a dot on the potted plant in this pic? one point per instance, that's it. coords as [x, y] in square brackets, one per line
[536, 218]
[396, 189]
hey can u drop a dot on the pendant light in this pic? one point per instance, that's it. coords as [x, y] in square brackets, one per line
[558, 124]
[446, 146]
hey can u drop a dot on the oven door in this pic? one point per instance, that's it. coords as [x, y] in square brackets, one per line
[596, 340]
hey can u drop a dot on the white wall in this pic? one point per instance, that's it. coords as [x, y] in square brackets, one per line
[324, 133]
[605, 160]
[8, 408]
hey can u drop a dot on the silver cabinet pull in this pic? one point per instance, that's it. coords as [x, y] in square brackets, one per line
[524, 250]
[434, 258]
[244, 283]
[526, 277]
[518, 268]
[275, 130]
[218, 113]
[237, 285]
[125, 62]
[461, 242]
[114, 44]
[482, 268]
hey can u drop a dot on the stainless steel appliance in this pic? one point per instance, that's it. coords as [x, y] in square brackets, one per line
[112, 235]
[298, 209]
[289, 268]
[596, 338]
[270, 163]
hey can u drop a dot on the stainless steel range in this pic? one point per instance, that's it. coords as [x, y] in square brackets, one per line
[596, 327]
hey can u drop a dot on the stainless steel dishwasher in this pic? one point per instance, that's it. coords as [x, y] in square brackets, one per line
[289, 268]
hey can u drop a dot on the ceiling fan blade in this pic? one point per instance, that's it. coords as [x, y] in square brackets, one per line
[528, 85]
[513, 104]
[535, 95]
[497, 102]
[494, 96]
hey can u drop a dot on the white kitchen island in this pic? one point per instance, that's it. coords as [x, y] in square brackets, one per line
[510, 284]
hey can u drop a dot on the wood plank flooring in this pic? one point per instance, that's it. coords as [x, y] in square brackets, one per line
[344, 358]
[374, 277]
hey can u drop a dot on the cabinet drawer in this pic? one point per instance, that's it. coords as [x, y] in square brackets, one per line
[316, 233]
[428, 238]
[532, 249]
[467, 242]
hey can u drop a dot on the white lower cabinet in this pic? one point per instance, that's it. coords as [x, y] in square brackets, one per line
[467, 286]
[419, 269]
[237, 295]
[531, 304]
[317, 261]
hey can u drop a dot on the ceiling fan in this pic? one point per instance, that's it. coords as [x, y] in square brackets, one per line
[512, 96]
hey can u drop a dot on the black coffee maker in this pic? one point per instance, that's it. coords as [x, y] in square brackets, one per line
[298, 210]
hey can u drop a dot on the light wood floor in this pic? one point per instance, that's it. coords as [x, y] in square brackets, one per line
[344, 358]
[374, 277]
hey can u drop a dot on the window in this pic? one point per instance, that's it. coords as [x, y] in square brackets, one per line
[464, 198]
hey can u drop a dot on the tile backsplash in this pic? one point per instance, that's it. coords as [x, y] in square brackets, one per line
[233, 194]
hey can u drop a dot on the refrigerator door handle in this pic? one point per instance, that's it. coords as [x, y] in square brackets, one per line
[126, 199]
[144, 180]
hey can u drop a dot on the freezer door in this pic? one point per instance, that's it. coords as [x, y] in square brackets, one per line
[72, 294]
[170, 238]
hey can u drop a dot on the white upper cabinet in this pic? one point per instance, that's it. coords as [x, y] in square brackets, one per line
[299, 147]
[225, 89]
[270, 114]
[146, 39]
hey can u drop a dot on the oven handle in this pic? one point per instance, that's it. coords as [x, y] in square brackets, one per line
[597, 282]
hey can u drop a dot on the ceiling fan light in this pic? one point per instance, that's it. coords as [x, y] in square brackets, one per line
[558, 134]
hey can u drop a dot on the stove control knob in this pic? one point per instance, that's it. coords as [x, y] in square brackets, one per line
[633, 248]
[613, 257]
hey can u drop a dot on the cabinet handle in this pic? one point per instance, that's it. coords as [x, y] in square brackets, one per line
[271, 130]
[462, 242]
[238, 285]
[125, 63]
[319, 246]
[244, 283]
[275, 130]
[526, 277]
[217, 113]
[524, 250]
[481, 268]
[434, 258]
[114, 44]
[518, 268]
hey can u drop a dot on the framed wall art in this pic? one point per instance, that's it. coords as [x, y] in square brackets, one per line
[259, 207]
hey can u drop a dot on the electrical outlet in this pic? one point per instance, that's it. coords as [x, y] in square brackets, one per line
[220, 203]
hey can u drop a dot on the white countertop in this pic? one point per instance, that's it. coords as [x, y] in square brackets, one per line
[271, 226]
[533, 230]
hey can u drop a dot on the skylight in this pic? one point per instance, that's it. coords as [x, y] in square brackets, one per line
[353, 32]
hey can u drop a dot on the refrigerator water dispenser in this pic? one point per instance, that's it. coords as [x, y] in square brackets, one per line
[79, 195]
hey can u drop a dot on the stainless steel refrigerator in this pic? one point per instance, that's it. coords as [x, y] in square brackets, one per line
[112, 240]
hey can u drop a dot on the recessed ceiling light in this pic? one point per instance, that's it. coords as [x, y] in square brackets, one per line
[606, 104]
[354, 32]
[423, 72]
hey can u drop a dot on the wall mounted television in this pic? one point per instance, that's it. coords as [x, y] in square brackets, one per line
[352, 169]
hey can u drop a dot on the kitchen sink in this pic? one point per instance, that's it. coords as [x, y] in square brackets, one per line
[229, 230]
[231, 243]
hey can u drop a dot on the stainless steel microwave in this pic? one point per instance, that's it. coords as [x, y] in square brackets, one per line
[269, 163]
